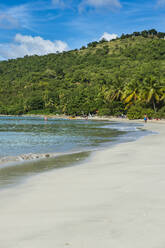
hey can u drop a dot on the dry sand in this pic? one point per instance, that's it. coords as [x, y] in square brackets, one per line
[114, 200]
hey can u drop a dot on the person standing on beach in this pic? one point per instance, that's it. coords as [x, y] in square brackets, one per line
[145, 118]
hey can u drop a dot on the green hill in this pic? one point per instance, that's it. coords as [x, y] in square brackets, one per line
[126, 75]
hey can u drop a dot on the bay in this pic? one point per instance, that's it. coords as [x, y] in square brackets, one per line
[63, 142]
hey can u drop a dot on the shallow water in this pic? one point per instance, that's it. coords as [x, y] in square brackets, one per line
[72, 139]
[16, 173]
[34, 135]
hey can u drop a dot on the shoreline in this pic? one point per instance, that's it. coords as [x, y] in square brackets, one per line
[99, 118]
[115, 199]
[28, 157]
[19, 168]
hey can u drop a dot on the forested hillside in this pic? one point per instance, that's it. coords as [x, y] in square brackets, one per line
[123, 76]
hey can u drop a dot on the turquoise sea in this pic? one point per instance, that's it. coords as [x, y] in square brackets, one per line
[58, 142]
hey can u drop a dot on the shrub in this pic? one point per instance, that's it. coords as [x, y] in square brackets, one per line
[116, 108]
[135, 112]
[3, 110]
[34, 102]
[149, 112]
[103, 111]
[160, 113]
[12, 110]
[138, 112]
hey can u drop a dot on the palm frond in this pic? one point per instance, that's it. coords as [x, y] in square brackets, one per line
[129, 98]
[150, 95]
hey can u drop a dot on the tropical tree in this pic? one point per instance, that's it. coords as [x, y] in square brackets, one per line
[152, 91]
[113, 94]
[114, 91]
[131, 93]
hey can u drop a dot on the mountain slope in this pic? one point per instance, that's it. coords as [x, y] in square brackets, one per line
[99, 78]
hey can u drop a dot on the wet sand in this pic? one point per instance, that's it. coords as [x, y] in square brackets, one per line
[115, 199]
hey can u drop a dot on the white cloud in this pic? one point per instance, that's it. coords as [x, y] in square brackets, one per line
[161, 2]
[62, 4]
[28, 45]
[58, 3]
[110, 4]
[108, 36]
[14, 17]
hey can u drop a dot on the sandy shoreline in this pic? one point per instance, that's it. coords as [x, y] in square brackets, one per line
[116, 199]
[13, 159]
[104, 118]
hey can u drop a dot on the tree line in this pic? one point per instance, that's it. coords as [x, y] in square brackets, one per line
[123, 76]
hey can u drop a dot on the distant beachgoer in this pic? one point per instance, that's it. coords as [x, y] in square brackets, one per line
[45, 118]
[145, 118]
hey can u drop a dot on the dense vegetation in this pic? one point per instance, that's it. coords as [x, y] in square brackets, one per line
[123, 76]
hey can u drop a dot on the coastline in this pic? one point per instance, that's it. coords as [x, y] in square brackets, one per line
[17, 169]
[28, 157]
[115, 199]
[99, 118]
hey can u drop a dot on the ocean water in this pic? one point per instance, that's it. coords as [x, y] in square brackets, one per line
[23, 135]
[60, 142]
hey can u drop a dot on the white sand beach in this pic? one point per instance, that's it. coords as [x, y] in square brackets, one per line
[114, 200]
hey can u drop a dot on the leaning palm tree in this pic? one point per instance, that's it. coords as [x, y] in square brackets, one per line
[162, 91]
[131, 93]
[113, 94]
[152, 91]
[115, 91]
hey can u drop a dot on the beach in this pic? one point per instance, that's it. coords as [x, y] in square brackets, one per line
[113, 199]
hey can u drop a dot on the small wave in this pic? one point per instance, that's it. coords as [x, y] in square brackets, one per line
[26, 157]
[123, 128]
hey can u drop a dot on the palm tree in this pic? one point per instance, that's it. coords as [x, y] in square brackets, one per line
[131, 93]
[152, 91]
[115, 91]
[113, 94]
[162, 91]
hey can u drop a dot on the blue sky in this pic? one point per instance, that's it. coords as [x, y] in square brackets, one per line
[44, 26]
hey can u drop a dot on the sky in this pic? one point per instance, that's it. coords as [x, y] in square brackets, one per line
[47, 26]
